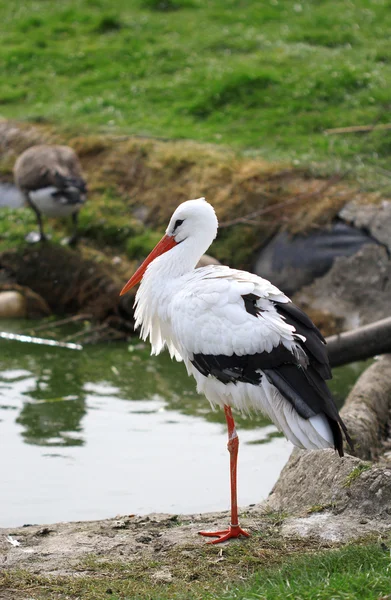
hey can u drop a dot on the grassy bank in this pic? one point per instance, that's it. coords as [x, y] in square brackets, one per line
[268, 76]
[233, 572]
[146, 179]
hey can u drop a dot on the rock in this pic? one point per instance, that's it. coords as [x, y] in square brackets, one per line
[311, 479]
[374, 218]
[20, 301]
[357, 289]
[206, 261]
[326, 527]
[342, 274]
[290, 262]
[69, 283]
[162, 576]
[321, 481]
[12, 305]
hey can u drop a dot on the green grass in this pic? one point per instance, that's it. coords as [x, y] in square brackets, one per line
[267, 76]
[355, 474]
[352, 573]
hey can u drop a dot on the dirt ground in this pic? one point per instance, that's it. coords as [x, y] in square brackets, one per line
[166, 549]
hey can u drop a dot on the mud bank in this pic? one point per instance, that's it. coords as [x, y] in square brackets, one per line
[145, 179]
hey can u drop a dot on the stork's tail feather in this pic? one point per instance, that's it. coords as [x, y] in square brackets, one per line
[337, 428]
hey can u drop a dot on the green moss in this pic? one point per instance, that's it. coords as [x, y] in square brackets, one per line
[316, 508]
[14, 225]
[236, 245]
[355, 474]
[276, 516]
[139, 246]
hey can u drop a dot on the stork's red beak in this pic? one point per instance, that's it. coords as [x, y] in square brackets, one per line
[166, 243]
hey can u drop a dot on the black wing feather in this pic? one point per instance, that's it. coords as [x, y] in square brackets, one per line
[315, 344]
[303, 385]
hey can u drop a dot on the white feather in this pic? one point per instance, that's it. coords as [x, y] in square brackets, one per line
[202, 311]
[52, 206]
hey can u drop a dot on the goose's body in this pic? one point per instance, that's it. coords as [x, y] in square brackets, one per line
[54, 202]
[51, 180]
[245, 343]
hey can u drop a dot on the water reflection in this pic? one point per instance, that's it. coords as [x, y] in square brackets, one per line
[54, 419]
[52, 423]
[55, 383]
[101, 420]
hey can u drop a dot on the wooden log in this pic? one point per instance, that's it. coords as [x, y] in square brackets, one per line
[360, 344]
[367, 408]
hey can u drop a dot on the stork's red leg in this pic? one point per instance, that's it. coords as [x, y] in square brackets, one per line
[233, 446]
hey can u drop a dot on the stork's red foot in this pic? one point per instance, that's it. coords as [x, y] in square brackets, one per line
[234, 531]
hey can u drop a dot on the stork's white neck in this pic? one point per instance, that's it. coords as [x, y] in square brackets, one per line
[163, 278]
[166, 276]
[176, 262]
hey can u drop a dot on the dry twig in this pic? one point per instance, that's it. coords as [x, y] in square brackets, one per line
[358, 129]
[79, 334]
[66, 321]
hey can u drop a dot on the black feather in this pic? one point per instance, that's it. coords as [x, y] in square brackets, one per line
[314, 345]
[303, 385]
[234, 368]
[250, 304]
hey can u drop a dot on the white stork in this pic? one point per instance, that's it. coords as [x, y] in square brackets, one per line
[246, 344]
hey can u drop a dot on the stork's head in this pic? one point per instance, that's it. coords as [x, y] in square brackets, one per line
[193, 224]
[193, 219]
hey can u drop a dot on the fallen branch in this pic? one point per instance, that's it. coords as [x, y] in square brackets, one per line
[35, 340]
[86, 332]
[358, 129]
[366, 411]
[360, 344]
[52, 324]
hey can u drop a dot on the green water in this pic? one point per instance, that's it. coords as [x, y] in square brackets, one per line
[110, 430]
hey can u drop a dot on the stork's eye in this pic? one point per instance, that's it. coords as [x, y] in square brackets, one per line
[178, 222]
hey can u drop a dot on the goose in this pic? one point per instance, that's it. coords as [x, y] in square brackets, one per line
[50, 178]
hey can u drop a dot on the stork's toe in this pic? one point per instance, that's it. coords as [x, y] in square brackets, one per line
[234, 531]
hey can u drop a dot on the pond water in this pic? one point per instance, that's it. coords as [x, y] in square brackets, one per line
[110, 430]
[10, 196]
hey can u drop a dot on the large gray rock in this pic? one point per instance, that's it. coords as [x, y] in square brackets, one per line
[374, 218]
[344, 271]
[292, 262]
[320, 481]
[357, 289]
